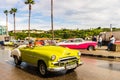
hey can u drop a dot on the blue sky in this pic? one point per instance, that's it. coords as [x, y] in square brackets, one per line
[70, 14]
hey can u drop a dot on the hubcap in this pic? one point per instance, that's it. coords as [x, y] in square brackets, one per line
[42, 69]
[90, 48]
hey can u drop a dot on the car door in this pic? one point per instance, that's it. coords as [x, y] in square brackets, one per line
[29, 56]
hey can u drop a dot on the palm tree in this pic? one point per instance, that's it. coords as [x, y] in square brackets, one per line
[6, 13]
[13, 11]
[29, 2]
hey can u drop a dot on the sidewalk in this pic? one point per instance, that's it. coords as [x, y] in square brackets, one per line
[101, 52]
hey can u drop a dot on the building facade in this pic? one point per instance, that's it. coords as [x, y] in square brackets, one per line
[3, 30]
[3, 33]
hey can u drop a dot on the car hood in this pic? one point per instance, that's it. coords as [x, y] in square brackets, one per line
[62, 43]
[58, 51]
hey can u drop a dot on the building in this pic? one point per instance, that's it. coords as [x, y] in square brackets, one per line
[3, 30]
[3, 33]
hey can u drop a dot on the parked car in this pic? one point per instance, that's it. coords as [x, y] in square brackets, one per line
[78, 43]
[39, 42]
[47, 58]
[17, 43]
[1, 43]
[8, 43]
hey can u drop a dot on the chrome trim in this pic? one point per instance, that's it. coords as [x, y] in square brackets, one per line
[62, 68]
[65, 61]
[55, 62]
[56, 69]
[68, 58]
[62, 63]
[81, 63]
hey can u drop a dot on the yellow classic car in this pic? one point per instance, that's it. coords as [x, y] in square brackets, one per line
[47, 58]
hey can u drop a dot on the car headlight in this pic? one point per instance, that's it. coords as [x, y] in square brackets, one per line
[53, 57]
[79, 53]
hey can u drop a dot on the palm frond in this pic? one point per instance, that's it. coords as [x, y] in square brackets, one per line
[29, 2]
[5, 11]
[13, 11]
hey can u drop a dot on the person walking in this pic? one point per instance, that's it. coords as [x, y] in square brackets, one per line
[112, 41]
[99, 41]
[94, 38]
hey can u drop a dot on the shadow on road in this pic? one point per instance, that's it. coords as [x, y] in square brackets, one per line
[67, 75]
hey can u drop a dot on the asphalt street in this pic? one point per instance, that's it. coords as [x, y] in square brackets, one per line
[92, 69]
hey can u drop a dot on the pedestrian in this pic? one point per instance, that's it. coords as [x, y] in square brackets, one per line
[94, 38]
[99, 41]
[111, 42]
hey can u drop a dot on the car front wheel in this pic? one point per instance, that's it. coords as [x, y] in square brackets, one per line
[90, 48]
[42, 68]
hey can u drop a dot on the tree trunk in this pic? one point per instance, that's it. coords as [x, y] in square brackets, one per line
[6, 24]
[52, 19]
[29, 21]
[14, 26]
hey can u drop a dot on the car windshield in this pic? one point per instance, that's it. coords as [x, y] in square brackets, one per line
[74, 40]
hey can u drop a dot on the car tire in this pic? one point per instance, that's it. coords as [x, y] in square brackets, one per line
[71, 70]
[42, 68]
[16, 60]
[90, 48]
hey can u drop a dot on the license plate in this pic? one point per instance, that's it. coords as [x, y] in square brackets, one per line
[68, 66]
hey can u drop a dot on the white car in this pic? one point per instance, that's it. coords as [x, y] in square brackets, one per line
[78, 43]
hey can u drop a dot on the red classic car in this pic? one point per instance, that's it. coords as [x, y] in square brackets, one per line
[78, 43]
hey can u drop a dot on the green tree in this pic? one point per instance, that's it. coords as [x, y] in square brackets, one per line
[13, 11]
[6, 13]
[29, 2]
[21, 35]
[99, 28]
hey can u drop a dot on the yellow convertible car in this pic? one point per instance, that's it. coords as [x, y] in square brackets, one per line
[47, 58]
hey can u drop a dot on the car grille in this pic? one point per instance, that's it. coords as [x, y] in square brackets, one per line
[68, 60]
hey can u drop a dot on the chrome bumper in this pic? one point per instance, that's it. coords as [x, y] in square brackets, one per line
[62, 68]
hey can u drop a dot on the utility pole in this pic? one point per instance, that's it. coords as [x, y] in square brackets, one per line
[111, 29]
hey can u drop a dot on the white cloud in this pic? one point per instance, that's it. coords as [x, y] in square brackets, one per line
[67, 13]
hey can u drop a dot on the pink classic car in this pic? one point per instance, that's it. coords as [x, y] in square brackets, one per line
[78, 43]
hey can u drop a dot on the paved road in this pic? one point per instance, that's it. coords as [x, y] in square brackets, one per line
[92, 69]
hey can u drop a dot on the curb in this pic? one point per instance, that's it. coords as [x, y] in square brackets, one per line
[100, 56]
